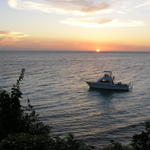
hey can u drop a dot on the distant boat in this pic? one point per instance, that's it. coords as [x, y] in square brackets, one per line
[107, 83]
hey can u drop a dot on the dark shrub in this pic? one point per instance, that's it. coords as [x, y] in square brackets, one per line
[142, 141]
[116, 146]
[15, 118]
[24, 141]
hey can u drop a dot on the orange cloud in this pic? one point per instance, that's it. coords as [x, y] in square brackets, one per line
[7, 37]
[82, 6]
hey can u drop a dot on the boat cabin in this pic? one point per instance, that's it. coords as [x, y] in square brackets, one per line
[107, 78]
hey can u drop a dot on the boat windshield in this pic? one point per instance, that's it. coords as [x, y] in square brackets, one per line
[107, 78]
[105, 81]
[108, 73]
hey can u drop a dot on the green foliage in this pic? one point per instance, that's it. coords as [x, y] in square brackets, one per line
[116, 146]
[142, 141]
[70, 143]
[10, 109]
[14, 118]
[31, 123]
[24, 141]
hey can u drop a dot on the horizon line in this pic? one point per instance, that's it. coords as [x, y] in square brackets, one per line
[84, 51]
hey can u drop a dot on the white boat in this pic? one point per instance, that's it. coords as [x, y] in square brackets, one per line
[107, 83]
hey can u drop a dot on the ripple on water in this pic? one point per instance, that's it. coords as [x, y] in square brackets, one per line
[54, 82]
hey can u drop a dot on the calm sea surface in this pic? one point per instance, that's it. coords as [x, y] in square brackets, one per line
[54, 82]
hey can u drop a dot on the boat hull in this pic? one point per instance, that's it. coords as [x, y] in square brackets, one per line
[105, 86]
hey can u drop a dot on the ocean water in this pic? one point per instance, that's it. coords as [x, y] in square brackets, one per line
[54, 82]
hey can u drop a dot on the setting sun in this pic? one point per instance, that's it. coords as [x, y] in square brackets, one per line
[98, 50]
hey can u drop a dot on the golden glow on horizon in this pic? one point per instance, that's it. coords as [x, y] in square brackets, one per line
[98, 50]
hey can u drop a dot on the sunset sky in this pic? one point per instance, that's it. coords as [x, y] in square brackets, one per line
[108, 25]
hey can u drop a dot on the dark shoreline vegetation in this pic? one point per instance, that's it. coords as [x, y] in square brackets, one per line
[21, 129]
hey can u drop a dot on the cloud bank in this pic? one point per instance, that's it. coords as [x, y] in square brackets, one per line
[145, 3]
[87, 8]
[7, 37]
[80, 6]
[96, 22]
